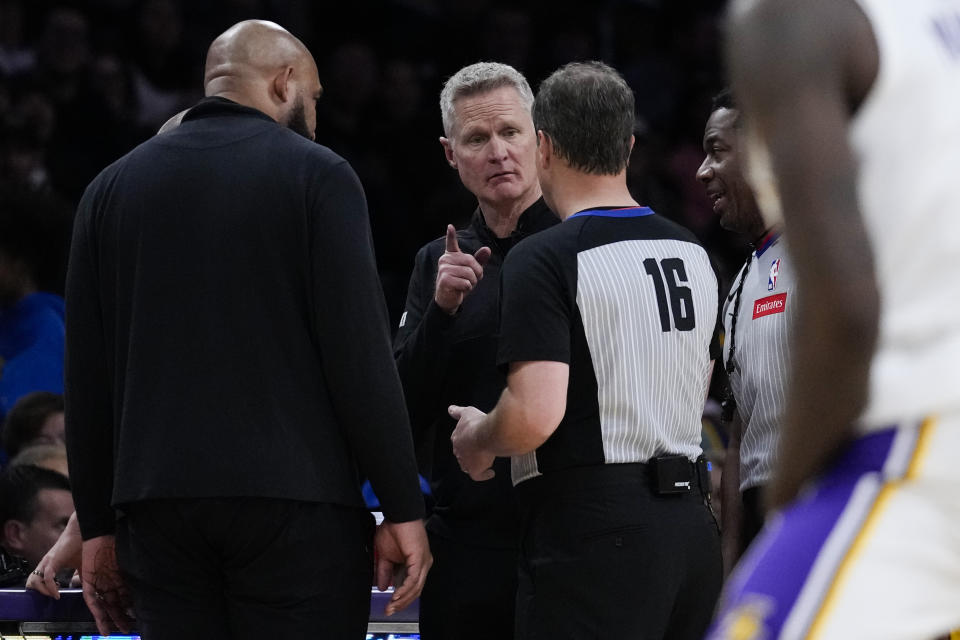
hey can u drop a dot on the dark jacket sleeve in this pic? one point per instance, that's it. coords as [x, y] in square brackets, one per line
[353, 332]
[88, 384]
[421, 344]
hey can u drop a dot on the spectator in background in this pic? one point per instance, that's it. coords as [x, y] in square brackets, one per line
[35, 504]
[91, 97]
[33, 234]
[48, 456]
[15, 56]
[25, 134]
[62, 62]
[35, 418]
[159, 58]
[111, 106]
[446, 346]
[62, 56]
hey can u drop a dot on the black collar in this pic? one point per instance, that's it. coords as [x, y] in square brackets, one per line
[213, 106]
[536, 217]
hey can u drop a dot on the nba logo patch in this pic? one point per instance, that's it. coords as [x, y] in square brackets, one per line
[774, 272]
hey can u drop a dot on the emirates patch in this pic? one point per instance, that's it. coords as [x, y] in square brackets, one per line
[769, 305]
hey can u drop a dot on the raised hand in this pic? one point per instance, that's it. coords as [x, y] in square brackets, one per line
[457, 273]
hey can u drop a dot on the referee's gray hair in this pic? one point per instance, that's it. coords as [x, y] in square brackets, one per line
[480, 77]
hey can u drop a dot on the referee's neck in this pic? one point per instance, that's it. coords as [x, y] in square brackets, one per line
[589, 192]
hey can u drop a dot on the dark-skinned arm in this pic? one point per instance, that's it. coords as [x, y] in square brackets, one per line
[799, 72]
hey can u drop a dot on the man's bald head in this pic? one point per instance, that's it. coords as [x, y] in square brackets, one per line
[251, 48]
[260, 64]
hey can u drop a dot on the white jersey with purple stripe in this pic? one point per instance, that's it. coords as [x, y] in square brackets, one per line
[906, 138]
[864, 553]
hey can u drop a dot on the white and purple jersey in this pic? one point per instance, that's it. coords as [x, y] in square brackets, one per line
[868, 551]
[910, 206]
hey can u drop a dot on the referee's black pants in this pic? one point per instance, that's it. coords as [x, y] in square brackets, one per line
[603, 556]
[247, 568]
[470, 593]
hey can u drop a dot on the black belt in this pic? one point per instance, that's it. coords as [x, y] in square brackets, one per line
[664, 475]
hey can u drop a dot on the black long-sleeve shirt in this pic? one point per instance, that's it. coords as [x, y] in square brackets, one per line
[227, 333]
[446, 360]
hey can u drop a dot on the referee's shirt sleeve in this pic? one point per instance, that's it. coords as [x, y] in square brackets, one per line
[535, 305]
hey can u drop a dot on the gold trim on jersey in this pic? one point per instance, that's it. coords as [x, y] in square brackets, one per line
[870, 523]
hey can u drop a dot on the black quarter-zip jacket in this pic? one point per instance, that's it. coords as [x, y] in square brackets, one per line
[227, 334]
[446, 360]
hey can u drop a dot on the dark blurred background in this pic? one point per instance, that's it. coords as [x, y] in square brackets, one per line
[81, 83]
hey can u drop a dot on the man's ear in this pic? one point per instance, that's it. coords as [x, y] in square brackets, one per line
[448, 151]
[282, 85]
[544, 149]
[13, 535]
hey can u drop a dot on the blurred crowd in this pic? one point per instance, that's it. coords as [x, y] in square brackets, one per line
[82, 83]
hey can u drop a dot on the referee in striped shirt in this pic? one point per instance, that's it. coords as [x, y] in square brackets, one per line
[757, 317]
[606, 327]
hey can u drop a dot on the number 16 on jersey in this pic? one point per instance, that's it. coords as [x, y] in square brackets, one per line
[667, 276]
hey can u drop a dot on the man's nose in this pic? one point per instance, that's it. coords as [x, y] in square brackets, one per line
[498, 149]
[705, 172]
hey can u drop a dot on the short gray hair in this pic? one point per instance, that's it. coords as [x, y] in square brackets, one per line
[587, 110]
[479, 78]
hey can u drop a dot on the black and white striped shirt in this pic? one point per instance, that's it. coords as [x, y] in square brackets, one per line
[629, 300]
[761, 353]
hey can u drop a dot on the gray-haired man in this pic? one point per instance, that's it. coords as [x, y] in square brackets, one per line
[446, 348]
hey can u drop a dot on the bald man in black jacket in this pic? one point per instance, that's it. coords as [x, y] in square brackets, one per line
[229, 372]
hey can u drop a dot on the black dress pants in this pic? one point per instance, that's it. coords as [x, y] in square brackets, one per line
[243, 568]
[603, 557]
[470, 593]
